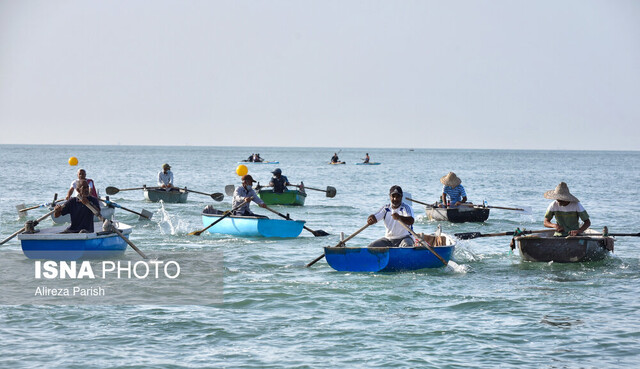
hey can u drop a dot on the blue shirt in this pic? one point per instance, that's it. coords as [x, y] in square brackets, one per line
[455, 194]
[279, 184]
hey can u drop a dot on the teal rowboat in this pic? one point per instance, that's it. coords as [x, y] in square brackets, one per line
[251, 226]
[289, 197]
[176, 195]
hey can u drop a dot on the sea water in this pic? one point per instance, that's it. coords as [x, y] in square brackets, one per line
[494, 311]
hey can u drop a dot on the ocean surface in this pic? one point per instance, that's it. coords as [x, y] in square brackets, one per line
[493, 311]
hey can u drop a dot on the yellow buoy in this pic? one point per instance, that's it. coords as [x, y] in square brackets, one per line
[73, 160]
[242, 170]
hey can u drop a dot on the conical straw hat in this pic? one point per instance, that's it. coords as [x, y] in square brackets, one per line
[561, 193]
[451, 180]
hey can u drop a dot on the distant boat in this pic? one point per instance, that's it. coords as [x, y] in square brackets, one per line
[388, 259]
[50, 243]
[460, 214]
[249, 226]
[258, 162]
[370, 163]
[175, 195]
[337, 162]
[543, 247]
[289, 197]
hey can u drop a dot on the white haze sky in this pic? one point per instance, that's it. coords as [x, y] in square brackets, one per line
[421, 74]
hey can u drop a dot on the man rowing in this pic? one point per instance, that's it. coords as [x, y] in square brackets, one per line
[165, 177]
[245, 194]
[82, 175]
[567, 210]
[393, 213]
[453, 190]
[279, 182]
[81, 215]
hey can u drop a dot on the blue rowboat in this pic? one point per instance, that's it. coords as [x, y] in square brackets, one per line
[250, 226]
[371, 163]
[176, 195]
[388, 259]
[50, 243]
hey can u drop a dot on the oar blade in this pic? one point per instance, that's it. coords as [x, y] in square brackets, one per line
[195, 233]
[331, 191]
[21, 213]
[112, 190]
[145, 215]
[229, 189]
[217, 196]
[320, 233]
[468, 235]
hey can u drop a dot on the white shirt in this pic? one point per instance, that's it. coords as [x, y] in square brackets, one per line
[394, 229]
[165, 179]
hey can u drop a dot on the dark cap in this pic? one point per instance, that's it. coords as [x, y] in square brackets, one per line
[277, 171]
[248, 177]
[395, 189]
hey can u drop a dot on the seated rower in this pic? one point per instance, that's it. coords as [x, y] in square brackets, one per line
[453, 189]
[81, 215]
[567, 210]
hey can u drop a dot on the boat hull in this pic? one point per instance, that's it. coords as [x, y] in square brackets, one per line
[338, 163]
[545, 248]
[368, 163]
[289, 197]
[176, 196]
[253, 226]
[458, 215]
[387, 259]
[105, 211]
[50, 244]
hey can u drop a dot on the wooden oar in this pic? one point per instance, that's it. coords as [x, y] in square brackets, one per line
[47, 204]
[340, 244]
[421, 203]
[116, 230]
[114, 190]
[215, 196]
[318, 233]
[198, 233]
[523, 209]
[24, 228]
[145, 213]
[331, 191]
[517, 232]
[424, 243]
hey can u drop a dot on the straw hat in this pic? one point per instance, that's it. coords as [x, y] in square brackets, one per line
[166, 166]
[451, 180]
[561, 193]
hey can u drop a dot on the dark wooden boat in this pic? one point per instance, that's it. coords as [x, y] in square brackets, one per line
[544, 247]
[460, 214]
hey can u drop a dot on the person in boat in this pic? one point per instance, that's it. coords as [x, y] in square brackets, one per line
[453, 190]
[568, 212]
[393, 213]
[279, 182]
[165, 177]
[366, 158]
[250, 158]
[82, 175]
[334, 158]
[81, 215]
[245, 194]
[257, 158]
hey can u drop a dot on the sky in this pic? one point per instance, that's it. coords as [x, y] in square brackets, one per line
[471, 74]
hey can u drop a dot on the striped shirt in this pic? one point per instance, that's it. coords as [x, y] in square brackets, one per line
[455, 194]
[567, 216]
